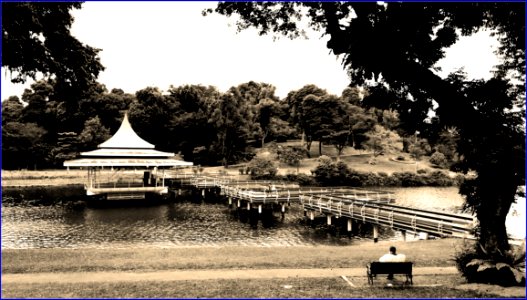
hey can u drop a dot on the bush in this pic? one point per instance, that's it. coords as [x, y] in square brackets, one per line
[324, 159]
[328, 173]
[409, 179]
[439, 159]
[291, 155]
[422, 171]
[261, 168]
[473, 264]
[401, 158]
[439, 178]
[301, 179]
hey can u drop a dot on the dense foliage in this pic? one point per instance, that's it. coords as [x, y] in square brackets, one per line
[488, 116]
[199, 122]
[479, 125]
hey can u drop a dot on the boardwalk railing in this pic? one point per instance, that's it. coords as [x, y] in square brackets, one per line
[394, 216]
[370, 206]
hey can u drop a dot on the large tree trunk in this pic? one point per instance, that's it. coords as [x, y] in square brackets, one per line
[496, 192]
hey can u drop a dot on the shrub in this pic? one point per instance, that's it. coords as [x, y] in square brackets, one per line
[329, 173]
[439, 178]
[324, 159]
[401, 158]
[301, 179]
[291, 155]
[475, 266]
[459, 179]
[422, 171]
[439, 159]
[409, 179]
[261, 168]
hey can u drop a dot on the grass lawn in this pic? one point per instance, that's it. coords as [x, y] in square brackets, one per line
[334, 287]
[424, 253]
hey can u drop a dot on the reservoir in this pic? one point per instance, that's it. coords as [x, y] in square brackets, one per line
[187, 224]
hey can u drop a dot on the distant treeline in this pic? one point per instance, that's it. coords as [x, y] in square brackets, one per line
[209, 127]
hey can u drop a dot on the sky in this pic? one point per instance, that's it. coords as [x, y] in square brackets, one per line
[170, 43]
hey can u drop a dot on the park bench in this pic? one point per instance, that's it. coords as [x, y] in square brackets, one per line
[376, 268]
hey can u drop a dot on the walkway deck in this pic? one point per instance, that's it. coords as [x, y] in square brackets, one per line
[369, 206]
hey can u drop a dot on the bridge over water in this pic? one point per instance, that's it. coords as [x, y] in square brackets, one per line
[354, 204]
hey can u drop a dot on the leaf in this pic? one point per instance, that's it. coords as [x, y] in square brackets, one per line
[500, 265]
[485, 266]
[518, 275]
[475, 262]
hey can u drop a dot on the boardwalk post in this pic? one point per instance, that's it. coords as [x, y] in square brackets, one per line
[403, 233]
[259, 208]
[375, 233]
[329, 219]
[312, 215]
[350, 226]
[238, 204]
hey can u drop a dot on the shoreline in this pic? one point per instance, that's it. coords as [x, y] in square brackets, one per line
[234, 272]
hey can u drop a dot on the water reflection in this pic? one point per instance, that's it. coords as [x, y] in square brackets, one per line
[167, 225]
[182, 224]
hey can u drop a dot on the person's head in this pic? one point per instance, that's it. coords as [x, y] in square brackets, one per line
[393, 250]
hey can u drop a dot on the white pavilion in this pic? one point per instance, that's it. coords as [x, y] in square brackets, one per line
[126, 167]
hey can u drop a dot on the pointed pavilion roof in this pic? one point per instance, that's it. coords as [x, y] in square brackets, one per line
[125, 137]
[126, 148]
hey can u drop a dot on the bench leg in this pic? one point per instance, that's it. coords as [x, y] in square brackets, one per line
[409, 279]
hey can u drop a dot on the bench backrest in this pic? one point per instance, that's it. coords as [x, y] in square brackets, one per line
[391, 267]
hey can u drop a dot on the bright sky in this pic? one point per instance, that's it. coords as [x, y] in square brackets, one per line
[171, 43]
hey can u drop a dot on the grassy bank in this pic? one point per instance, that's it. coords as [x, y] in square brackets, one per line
[42, 177]
[439, 287]
[422, 253]
[437, 253]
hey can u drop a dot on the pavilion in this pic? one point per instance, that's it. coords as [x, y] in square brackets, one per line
[126, 167]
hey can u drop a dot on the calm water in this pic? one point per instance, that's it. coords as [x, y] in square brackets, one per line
[181, 225]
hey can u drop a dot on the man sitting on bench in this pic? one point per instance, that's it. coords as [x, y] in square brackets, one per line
[392, 257]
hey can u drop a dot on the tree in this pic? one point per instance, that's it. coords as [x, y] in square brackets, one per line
[190, 130]
[11, 110]
[93, 134]
[229, 119]
[261, 168]
[381, 141]
[416, 34]
[295, 101]
[23, 145]
[265, 110]
[418, 147]
[291, 155]
[36, 39]
[149, 116]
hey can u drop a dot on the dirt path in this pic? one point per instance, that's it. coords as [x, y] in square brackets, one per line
[83, 277]
[354, 276]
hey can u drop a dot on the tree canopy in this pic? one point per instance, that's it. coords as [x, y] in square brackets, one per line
[397, 44]
[36, 39]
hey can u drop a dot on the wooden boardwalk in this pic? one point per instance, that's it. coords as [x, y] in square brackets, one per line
[368, 206]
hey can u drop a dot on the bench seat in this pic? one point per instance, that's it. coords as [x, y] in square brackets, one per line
[375, 268]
